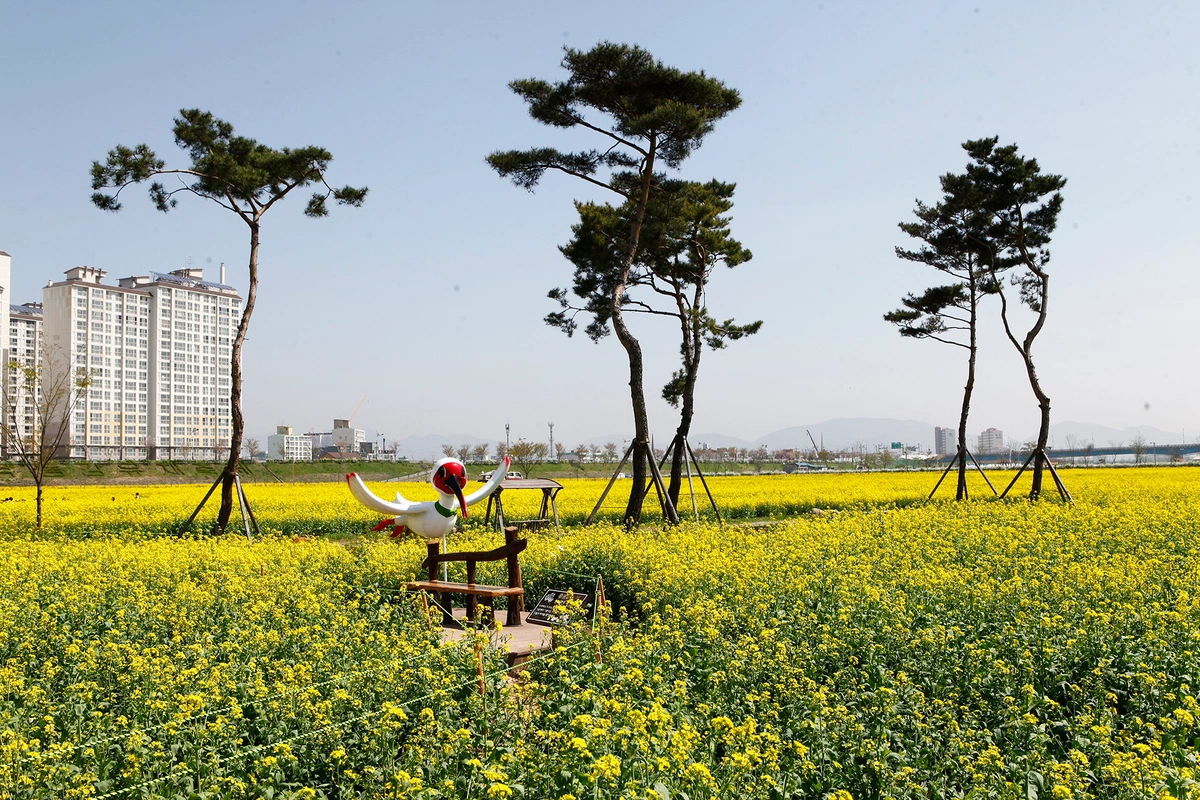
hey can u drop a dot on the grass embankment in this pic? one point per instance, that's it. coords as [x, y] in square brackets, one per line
[74, 473]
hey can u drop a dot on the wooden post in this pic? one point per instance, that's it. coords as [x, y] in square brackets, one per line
[472, 603]
[516, 602]
[667, 507]
[479, 665]
[691, 489]
[1018, 475]
[249, 509]
[242, 508]
[432, 546]
[1062, 487]
[592, 516]
[937, 485]
[554, 505]
[661, 463]
[981, 472]
[704, 483]
[499, 509]
[192, 518]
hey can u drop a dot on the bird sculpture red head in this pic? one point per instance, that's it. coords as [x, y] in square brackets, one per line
[450, 477]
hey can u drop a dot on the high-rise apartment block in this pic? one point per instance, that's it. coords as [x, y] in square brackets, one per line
[192, 326]
[991, 441]
[105, 330]
[945, 441]
[158, 350]
[24, 347]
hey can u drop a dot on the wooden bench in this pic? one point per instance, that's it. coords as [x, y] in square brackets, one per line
[443, 590]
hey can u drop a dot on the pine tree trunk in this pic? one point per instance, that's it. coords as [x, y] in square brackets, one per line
[961, 491]
[1039, 460]
[235, 388]
[633, 350]
[641, 423]
[686, 412]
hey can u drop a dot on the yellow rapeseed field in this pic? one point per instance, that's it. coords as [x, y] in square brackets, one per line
[130, 511]
[896, 648]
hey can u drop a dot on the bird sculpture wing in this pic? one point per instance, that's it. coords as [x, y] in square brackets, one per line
[489, 487]
[364, 495]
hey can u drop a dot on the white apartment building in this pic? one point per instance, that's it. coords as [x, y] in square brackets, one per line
[945, 441]
[104, 329]
[158, 349]
[192, 325]
[991, 441]
[284, 445]
[24, 347]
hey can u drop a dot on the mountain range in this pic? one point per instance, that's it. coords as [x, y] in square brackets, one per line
[834, 434]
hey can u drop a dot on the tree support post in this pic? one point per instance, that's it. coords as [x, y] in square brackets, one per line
[668, 508]
[981, 472]
[1058, 482]
[592, 516]
[949, 467]
[195, 513]
[243, 505]
[704, 483]
[1020, 472]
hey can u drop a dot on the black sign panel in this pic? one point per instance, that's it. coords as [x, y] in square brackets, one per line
[543, 612]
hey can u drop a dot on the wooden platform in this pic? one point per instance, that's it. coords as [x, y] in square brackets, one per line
[523, 641]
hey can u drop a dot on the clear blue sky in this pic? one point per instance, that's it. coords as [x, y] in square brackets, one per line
[430, 297]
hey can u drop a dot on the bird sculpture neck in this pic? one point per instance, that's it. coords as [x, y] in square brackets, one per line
[444, 505]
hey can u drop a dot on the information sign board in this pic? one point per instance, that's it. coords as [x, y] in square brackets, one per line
[543, 613]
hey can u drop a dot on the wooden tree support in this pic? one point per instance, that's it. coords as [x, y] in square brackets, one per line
[689, 460]
[1058, 483]
[958, 455]
[668, 509]
[248, 518]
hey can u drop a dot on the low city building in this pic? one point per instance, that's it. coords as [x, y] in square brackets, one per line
[284, 445]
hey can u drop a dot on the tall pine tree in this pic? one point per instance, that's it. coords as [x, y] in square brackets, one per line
[647, 116]
[242, 176]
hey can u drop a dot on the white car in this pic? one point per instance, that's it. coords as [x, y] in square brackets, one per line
[487, 476]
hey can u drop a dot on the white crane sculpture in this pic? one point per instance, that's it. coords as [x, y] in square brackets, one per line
[429, 519]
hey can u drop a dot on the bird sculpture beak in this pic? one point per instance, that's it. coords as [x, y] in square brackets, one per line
[452, 485]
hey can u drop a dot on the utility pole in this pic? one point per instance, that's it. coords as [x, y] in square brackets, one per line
[552, 456]
[507, 444]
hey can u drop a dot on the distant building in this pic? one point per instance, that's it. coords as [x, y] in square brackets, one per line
[945, 441]
[284, 445]
[157, 348]
[320, 441]
[105, 330]
[347, 439]
[991, 441]
[24, 346]
[192, 325]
